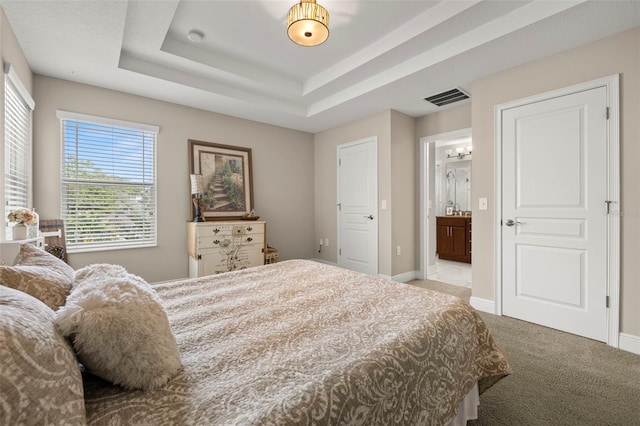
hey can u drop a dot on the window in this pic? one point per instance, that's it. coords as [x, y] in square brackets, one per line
[18, 105]
[108, 193]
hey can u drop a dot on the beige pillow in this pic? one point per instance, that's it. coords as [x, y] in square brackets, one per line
[40, 382]
[39, 274]
[119, 328]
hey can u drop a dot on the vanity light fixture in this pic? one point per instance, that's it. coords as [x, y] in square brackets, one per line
[308, 23]
[460, 152]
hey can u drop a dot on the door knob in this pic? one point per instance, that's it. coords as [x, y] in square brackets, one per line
[511, 222]
[370, 217]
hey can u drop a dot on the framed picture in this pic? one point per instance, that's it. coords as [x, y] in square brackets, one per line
[227, 187]
[449, 211]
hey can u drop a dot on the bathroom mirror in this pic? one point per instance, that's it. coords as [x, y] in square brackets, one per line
[457, 185]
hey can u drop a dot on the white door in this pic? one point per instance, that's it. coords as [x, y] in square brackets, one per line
[357, 206]
[554, 213]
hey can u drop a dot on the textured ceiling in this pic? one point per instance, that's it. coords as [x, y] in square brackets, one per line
[380, 54]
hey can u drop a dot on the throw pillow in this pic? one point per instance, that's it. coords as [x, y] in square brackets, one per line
[40, 382]
[39, 274]
[119, 328]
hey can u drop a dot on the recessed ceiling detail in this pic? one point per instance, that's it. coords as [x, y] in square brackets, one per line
[447, 97]
[380, 53]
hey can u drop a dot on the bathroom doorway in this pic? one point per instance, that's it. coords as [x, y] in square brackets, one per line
[445, 193]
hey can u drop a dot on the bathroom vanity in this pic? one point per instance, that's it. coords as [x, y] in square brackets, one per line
[453, 238]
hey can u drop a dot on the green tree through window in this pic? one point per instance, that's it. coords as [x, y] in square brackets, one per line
[108, 186]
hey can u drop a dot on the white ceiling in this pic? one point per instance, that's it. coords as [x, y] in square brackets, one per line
[380, 54]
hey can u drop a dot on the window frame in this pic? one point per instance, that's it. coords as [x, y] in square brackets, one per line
[14, 87]
[152, 240]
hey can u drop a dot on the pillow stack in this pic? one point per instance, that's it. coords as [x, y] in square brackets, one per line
[117, 325]
[40, 275]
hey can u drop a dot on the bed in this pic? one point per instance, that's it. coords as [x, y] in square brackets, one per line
[299, 342]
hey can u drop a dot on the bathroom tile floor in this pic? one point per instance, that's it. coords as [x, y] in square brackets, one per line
[456, 273]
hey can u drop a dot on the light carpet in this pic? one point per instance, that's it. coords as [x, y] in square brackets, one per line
[557, 378]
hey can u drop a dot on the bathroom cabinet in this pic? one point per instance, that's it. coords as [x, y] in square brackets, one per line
[453, 238]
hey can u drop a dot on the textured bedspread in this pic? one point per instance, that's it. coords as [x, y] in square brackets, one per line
[299, 342]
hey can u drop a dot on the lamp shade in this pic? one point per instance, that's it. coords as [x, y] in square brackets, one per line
[308, 23]
[196, 184]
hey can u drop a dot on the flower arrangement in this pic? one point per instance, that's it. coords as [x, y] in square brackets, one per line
[25, 216]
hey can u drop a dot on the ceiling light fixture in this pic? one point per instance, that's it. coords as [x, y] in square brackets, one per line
[308, 23]
[195, 36]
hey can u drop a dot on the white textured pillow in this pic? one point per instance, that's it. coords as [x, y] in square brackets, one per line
[119, 329]
[40, 382]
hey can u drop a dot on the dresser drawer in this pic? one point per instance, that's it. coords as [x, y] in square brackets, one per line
[230, 229]
[229, 240]
[216, 247]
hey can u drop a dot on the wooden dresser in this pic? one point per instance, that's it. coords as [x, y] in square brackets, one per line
[223, 246]
[453, 238]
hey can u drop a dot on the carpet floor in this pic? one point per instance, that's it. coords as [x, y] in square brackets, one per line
[557, 378]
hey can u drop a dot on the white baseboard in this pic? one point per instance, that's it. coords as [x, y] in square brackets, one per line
[323, 261]
[483, 305]
[629, 343]
[406, 277]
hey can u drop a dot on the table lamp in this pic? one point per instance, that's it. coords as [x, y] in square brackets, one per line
[196, 197]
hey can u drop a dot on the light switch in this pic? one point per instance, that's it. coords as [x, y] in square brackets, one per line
[482, 204]
[383, 204]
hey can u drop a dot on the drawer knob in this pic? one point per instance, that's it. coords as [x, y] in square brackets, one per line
[216, 230]
[249, 229]
[249, 239]
[216, 241]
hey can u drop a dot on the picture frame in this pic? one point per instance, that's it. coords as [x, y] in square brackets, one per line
[449, 211]
[227, 185]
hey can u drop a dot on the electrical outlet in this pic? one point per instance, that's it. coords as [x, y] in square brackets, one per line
[383, 204]
[397, 250]
[326, 242]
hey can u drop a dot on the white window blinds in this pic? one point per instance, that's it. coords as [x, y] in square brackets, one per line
[18, 105]
[108, 194]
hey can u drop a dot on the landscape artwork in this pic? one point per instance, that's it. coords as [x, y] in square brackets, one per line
[226, 179]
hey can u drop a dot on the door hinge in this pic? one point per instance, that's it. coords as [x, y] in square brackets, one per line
[607, 301]
[339, 206]
[607, 113]
[608, 203]
[340, 252]
[339, 161]
[199, 257]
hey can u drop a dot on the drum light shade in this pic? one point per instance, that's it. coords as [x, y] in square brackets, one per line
[308, 23]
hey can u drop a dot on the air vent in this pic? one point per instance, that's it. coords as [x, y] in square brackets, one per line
[448, 97]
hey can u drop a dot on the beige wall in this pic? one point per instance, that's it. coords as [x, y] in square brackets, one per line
[448, 120]
[404, 204]
[617, 54]
[396, 185]
[325, 193]
[282, 172]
